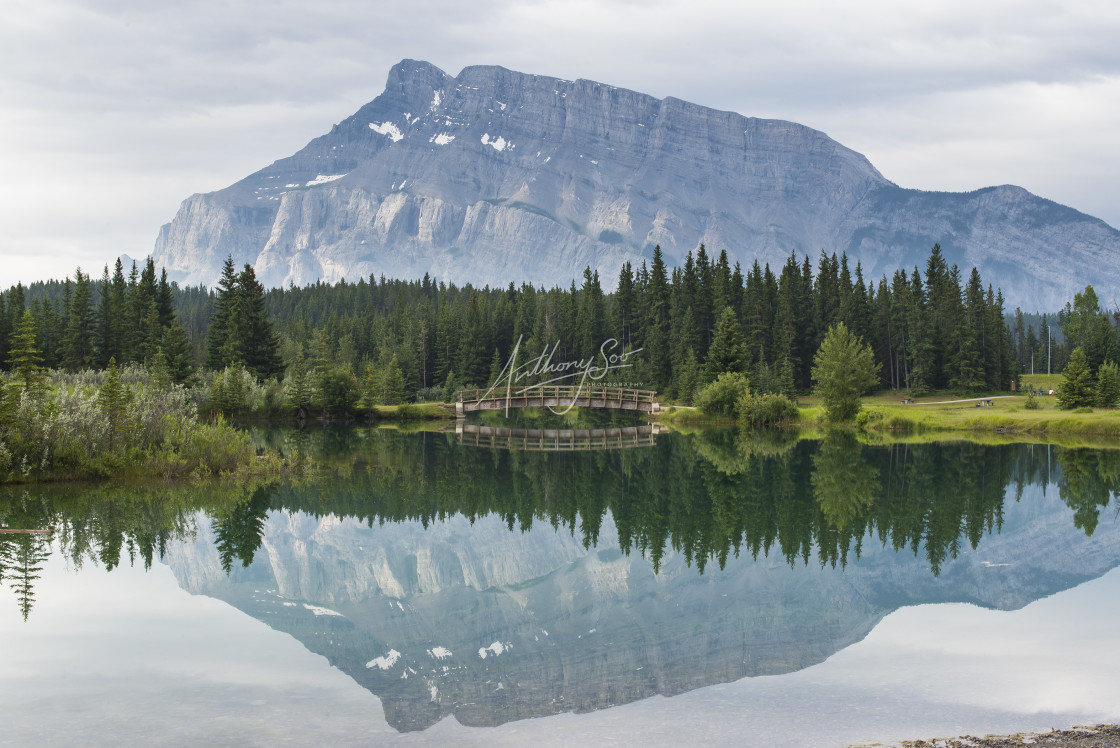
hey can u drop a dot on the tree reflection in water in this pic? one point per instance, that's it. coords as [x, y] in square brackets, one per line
[710, 496]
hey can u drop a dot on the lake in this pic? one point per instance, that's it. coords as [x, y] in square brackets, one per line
[559, 587]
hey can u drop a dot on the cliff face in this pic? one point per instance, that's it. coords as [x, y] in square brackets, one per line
[471, 619]
[496, 176]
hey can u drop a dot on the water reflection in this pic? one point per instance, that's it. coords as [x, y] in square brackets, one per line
[498, 585]
[556, 440]
[709, 496]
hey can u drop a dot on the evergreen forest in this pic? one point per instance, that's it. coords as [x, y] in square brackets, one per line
[380, 340]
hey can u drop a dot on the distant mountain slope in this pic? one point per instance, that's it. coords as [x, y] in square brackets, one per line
[497, 176]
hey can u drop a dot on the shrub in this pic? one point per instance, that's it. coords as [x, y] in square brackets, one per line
[761, 411]
[216, 448]
[866, 417]
[338, 389]
[721, 397]
[1032, 401]
[97, 427]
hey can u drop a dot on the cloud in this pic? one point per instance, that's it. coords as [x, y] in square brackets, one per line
[116, 111]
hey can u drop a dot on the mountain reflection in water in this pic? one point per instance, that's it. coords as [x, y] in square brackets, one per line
[499, 585]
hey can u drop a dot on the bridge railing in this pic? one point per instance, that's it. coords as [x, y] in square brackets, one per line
[565, 393]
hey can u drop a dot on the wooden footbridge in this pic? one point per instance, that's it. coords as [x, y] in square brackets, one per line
[557, 440]
[556, 396]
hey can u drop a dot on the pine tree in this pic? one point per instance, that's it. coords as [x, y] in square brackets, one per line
[687, 377]
[392, 384]
[1087, 328]
[655, 332]
[140, 301]
[729, 349]
[255, 342]
[1108, 385]
[180, 354]
[1076, 390]
[592, 319]
[299, 391]
[165, 303]
[370, 385]
[111, 316]
[843, 369]
[623, 308]
[80, 325]
[112, 398]
[159, 371]
[219, 352]
[24, 356]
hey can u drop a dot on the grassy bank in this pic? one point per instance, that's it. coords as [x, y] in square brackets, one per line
[1004, 415]
[411, 412]
[941, 415]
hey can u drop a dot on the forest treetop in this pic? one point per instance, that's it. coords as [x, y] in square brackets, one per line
[931, 329]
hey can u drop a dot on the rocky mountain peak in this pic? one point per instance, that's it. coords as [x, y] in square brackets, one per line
[496, 176]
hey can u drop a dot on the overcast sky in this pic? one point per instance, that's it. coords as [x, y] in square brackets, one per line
[113, 112]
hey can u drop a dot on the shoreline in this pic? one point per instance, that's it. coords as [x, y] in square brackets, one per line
[1097, 736]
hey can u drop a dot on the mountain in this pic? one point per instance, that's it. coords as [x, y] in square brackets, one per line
[497, 176]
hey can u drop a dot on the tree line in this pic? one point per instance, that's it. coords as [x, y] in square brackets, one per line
[84, 324]
[394, 340]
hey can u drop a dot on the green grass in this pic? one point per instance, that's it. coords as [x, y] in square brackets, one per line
[676, 415]
[413, 412]
[1044, 382]
[883, 417]
[1006, 415]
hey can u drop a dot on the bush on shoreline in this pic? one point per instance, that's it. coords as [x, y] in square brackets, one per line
[115, 423]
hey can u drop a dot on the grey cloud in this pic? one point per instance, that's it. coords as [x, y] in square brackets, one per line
[195, 94]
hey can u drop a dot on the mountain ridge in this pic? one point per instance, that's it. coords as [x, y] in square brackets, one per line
[496, 176]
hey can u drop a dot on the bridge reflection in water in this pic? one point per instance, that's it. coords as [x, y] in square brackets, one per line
[557, 440]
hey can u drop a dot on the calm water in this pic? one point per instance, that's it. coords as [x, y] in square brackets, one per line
[660, 589]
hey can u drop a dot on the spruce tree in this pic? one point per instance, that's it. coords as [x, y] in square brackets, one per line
[592, 318]
[112, 398]
[392, 384]
[165, 303]
[1076, 389]
[729, 349]
[299, 390]
[655, 334]
[24, 356]
[624, 307]
[255, 343]
[218, 348]
[159, 371]
[1108, 385]
[843, 369]
[180, 354]
[80, 326]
